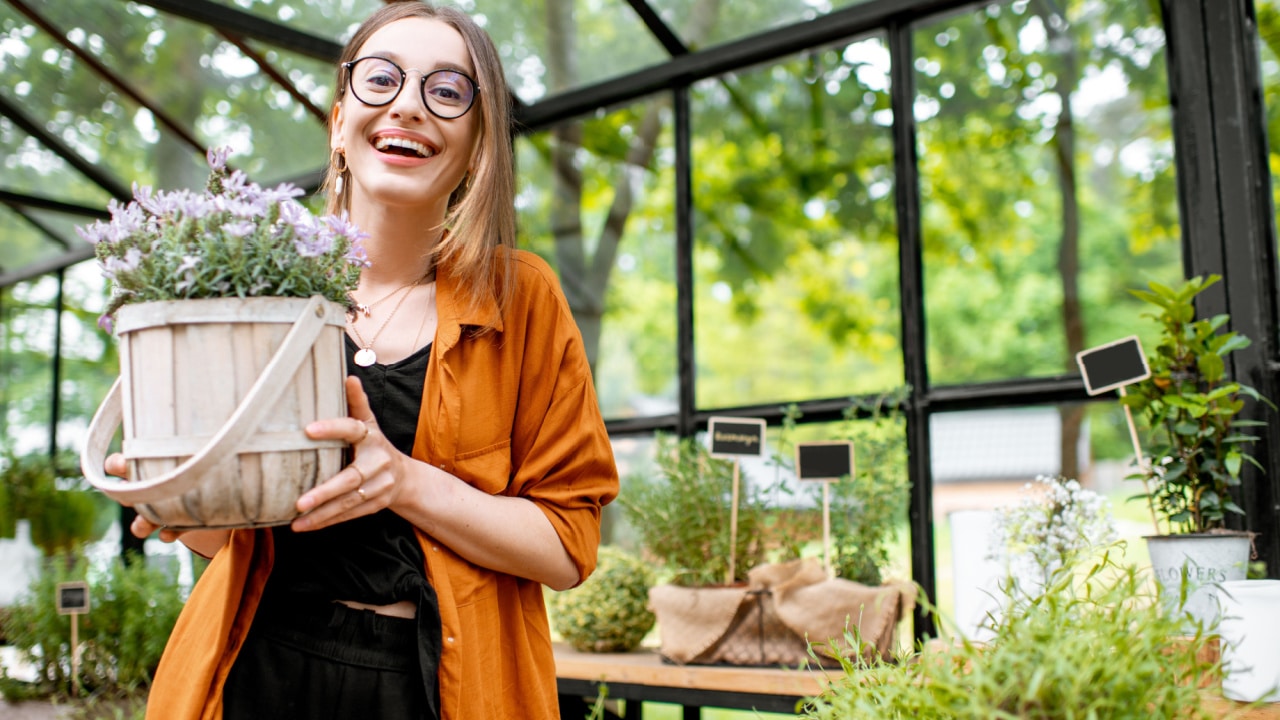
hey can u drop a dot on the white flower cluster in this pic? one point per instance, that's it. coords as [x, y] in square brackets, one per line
[1052, 527]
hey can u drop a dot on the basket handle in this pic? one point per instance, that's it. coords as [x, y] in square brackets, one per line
[248, 416]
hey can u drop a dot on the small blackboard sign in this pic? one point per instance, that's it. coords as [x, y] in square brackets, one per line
[1113, 365]
[73, 598]
[736, 437]
[824, 460]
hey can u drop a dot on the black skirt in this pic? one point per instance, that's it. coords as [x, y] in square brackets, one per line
[326, 661]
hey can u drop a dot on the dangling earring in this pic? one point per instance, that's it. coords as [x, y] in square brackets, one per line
[338, 160]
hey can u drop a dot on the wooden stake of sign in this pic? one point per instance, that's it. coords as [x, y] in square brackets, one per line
[73, 599]
[733, 528]
[1112, 366]
[827, 462]
[732, 438]
[1142, 461]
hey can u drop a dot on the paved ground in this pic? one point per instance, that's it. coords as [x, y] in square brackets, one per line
[33, 711]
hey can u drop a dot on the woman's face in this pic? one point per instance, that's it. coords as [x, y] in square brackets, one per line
[400, 154]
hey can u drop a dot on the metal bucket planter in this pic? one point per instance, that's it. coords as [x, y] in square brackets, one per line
[214, 395]
[1205, 560]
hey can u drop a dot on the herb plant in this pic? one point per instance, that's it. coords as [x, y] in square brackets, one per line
[1054, 526]
[235, 239]
[1197, 443]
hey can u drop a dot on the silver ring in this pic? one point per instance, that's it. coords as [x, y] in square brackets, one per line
[360, 492]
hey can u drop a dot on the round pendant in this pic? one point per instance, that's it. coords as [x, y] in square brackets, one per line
[366, 357]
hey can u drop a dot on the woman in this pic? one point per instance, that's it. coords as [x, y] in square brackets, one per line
[480, 460]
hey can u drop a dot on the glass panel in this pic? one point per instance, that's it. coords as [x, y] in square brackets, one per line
[332, 19]
[272, 134]
[32, 169]
[796, 258]
[701, 23]
[89, 355]
[1047, 183]
[26, 364]
[595, 198]
[557, 45]
[589, 42]
[982, 462]
[22, 242]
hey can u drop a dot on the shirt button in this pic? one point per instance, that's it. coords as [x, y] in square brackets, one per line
[449, 639]
[435, 549]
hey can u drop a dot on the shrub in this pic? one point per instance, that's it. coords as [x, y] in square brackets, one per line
[609, 612]
[132, 610]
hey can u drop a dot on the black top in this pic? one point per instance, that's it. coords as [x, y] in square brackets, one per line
[374, 559]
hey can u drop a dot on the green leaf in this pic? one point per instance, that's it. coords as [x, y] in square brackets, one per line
[1232, 462]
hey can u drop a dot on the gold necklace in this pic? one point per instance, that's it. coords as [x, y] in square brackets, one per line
[353, 315]
[365, 356]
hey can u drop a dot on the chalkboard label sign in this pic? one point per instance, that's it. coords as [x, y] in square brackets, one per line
[1113, 365]
[824, 460]
[73, 598]
[735, 437]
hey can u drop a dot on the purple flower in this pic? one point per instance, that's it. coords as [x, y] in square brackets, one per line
[218, 157]
[106, 323]
[239, 229]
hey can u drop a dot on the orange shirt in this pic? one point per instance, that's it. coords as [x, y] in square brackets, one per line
[511, 411]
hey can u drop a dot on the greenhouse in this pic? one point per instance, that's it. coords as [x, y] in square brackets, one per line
[907, 242]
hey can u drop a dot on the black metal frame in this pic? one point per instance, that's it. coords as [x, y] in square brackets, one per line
[1223, 193]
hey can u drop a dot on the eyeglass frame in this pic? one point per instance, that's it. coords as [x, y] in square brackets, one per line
[404, 81]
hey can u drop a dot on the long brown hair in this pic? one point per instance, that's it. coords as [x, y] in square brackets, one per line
[481, 217]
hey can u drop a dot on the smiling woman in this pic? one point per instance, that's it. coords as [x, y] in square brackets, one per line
[417, 566]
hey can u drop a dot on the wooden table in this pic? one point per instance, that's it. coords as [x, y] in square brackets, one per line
[642, 676]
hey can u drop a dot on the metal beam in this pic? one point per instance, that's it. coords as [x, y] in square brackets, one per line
[38, 202]
[103, 71]
[44, 267]
[239, 22]
[29, 125]
[661, 31]
[276, 75]
[39, 225]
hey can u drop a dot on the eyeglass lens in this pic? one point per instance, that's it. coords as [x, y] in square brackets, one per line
[377, 81]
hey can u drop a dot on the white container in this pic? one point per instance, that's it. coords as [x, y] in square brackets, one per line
[976, 576]
[1250, 633]
[1206, 560]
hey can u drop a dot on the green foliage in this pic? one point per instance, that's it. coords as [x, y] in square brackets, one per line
[609, 612]
[235, 240]
[1092, 646]
[1197, 444]
[49, 493]
[132, 610]
[683, 515]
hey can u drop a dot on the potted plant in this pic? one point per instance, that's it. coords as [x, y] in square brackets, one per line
[1197, 445]
[774, 610]
[230, 306]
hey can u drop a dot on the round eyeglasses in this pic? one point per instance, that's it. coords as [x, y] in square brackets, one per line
[376, 81]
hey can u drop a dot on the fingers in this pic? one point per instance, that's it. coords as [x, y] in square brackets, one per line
[347, 495]
[142, 527]
[116, 465]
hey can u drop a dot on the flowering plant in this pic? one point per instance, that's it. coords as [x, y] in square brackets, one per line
[1051, 528]
[234, 239]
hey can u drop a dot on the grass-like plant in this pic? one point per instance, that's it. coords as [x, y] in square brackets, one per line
[682, 514]
[1197, 444]
[1094, 645]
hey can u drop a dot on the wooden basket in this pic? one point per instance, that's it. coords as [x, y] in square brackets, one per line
[214, 395]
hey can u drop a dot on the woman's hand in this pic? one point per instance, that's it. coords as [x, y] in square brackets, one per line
[373, 480]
